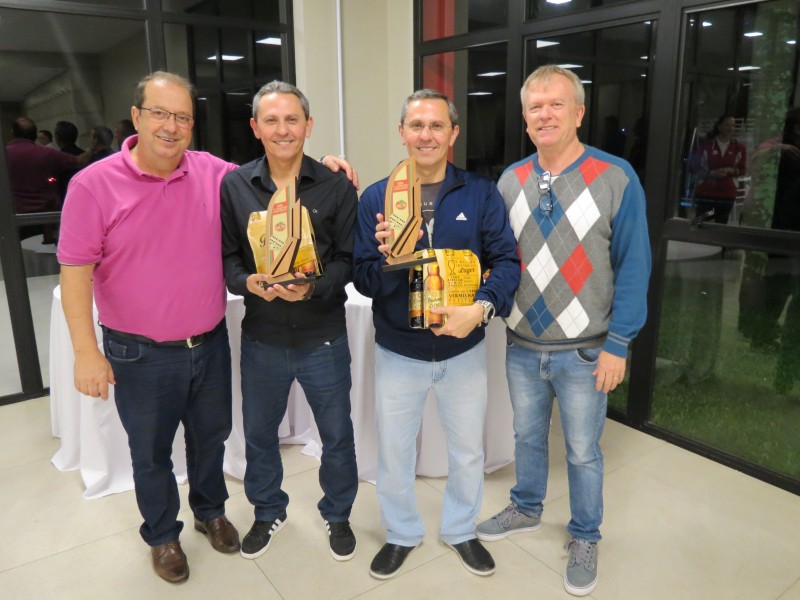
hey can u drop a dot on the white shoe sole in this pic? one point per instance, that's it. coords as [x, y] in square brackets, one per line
[494, 537]
[584, 591]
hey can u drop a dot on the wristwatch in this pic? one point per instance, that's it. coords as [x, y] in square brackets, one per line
[488, 311]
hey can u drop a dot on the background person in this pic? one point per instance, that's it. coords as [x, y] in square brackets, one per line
[719, 160]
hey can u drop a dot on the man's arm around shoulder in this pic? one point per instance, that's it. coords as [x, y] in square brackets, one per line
[93, 372]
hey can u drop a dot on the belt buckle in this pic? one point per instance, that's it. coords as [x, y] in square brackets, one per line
[189, 343]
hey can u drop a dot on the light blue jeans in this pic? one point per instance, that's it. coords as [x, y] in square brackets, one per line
[402, 385]
[533, 379]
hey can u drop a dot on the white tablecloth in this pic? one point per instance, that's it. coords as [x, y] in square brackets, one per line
[93, 440]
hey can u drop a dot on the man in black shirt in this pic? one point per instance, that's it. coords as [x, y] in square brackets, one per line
[296, 331]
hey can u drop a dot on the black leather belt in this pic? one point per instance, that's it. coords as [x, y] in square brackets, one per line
[190, 342]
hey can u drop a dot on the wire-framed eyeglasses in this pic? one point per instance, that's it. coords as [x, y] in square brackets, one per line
[160, 115]
[545, 196]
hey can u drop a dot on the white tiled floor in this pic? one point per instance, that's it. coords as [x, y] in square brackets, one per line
[677, 526]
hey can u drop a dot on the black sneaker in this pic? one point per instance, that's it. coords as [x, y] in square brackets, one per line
[389, 560]
[257, 540]
[475, 558]
[341, 539]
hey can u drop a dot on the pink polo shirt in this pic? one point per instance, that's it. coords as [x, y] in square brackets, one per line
[156, 243]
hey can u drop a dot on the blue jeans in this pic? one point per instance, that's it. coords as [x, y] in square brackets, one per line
[533, 378]
[157, 389]
[324, 374]
[401, 387]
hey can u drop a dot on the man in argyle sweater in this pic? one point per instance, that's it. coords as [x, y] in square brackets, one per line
[579, 218]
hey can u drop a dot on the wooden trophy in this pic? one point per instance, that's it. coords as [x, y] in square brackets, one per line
[403, 212]
[282, 240]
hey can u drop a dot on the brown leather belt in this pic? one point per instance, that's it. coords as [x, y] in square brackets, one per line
[190, 342]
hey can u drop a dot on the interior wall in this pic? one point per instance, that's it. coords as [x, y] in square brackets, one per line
[378, 68]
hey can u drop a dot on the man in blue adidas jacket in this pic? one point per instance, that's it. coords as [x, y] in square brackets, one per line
[461, 211]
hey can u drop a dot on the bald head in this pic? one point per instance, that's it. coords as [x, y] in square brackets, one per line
[24, 128]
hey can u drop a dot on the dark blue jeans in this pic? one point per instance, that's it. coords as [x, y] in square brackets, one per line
[157, 389]
[324, 374]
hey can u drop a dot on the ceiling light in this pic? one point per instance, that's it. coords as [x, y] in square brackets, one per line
[546, 43]
[479, 93]
[570, 66]
[749, 68]
[586, 81]
[792, 42]
[707, 23]
[558, 1]
[643, 57]
[272, 41]
[491, 74]
[753, 34]
[228, 57]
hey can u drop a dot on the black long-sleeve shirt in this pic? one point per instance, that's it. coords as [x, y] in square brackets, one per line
[332, 204]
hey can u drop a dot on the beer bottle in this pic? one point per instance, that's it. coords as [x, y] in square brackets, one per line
[434, 290]
[415, 320]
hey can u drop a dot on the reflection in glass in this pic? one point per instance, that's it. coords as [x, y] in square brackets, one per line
[236, 57]
[541, 9]
[245, 9]
[119, 3]
[268, 55]
[727, 366]
[613, 64]
[443, 18]
[205, 42]
[242, 144]
[71, 75]
[475, 80]
[741, 68]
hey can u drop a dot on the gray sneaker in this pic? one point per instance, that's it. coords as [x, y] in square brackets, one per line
[581, 576]
[508, 521]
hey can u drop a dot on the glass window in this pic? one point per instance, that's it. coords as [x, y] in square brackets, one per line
[236, 55]
[613, 64]
[541, 9]
[242, 146]
[268, 55]
[443, 18]
[119, 3]
[727, 366]
[738, 159]
[475, 80]
[70, 75]
[244, 9]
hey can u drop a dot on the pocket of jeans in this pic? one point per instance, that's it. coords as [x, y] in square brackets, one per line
[123, 351]
[587, 355]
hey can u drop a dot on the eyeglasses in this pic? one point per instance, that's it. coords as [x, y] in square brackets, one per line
[160, 115]
[418, 127]
[545, 196]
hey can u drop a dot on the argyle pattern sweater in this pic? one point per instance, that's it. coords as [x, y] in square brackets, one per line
[585, 264]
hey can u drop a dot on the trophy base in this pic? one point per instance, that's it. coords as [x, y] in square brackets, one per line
[395, 263]
[289, 278]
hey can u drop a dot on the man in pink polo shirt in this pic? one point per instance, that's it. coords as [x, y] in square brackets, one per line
[141, 232]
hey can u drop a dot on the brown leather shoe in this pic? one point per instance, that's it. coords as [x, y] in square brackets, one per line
[221, 533]
[170, 563]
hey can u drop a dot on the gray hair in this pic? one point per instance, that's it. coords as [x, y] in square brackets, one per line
[429, 94]
[281, 87]
[138, 96]
[544, 73]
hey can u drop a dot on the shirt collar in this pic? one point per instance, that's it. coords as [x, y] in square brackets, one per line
[260, 173]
